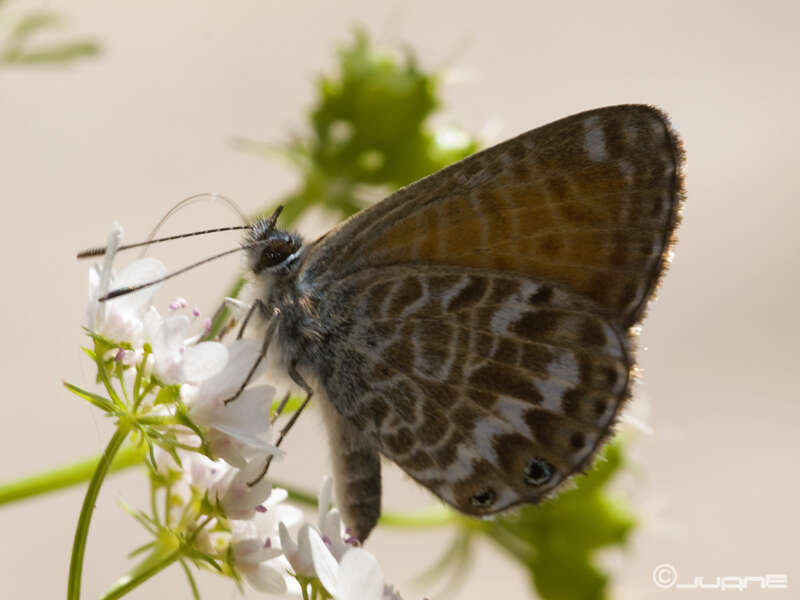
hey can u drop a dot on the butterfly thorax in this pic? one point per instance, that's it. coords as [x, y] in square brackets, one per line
[277, 260]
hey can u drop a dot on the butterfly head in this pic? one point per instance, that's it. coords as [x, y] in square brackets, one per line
[270, 250]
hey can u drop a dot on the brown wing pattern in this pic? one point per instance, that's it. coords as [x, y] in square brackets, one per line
[477, 322]
[488, 388]
[590, 201]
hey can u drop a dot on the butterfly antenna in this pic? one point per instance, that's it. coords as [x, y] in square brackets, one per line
[101, 250]
[186, 202]
[135, 288]
[274, 218]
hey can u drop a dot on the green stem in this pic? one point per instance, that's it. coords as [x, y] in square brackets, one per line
[89, 501]
[130, 456]
[68, 475]
[129, 582]
[435, 516]
[192, 581]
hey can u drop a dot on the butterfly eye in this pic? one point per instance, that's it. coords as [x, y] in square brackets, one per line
[538, 472]
[274, 252]
[485, 497]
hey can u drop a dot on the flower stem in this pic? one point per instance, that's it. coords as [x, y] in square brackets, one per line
[130, 456]
[435, 516]
[82, 531]
[153, 566]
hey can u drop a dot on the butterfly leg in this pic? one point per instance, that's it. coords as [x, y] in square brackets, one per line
[298, 379]
[257, 305]
[267, 339]
[279, 410]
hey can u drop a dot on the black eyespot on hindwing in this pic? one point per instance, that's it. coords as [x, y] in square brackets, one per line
[538, 471]
[484, 498]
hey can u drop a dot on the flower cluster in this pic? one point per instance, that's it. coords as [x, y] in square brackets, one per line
[208, 443]
[328, 555]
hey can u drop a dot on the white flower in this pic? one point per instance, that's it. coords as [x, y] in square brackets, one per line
[238, 430]
[121, 319]
[255, 545]
[251, 557]
[237, 497]
[299, 553]
[178, 357]
[330, 522]
[347, 573]
[264, 525]
[357, 577]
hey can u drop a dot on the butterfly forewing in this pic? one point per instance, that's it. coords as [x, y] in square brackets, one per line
[590, 201]
[474, 327]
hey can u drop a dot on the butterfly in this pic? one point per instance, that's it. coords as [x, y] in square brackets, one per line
[476, 327]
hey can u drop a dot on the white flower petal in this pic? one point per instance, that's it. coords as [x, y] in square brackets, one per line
[324, 499]
[285, 513]
[277, 496]
[266, 523]
[298, 554]
[249, 413]
[242, 355]
[360, 576]
[171, 335]
[141, 271]
[264, 578]
[203, 360]
[121, 319]
[287, 543]
[325, 565]
[94, 309]
[332, 530]
[252, 550]
[238, 498]
[152, 322]
[106, 273]
[249, 444]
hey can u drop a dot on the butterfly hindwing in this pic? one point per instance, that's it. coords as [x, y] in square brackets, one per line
[471, 379]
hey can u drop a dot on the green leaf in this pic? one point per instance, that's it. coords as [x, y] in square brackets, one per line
[19, 48]
[34, 22]
[54, 53]
[99, 401]
[168, 394]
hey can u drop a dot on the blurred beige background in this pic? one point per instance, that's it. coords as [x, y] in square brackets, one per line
[147, 124]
